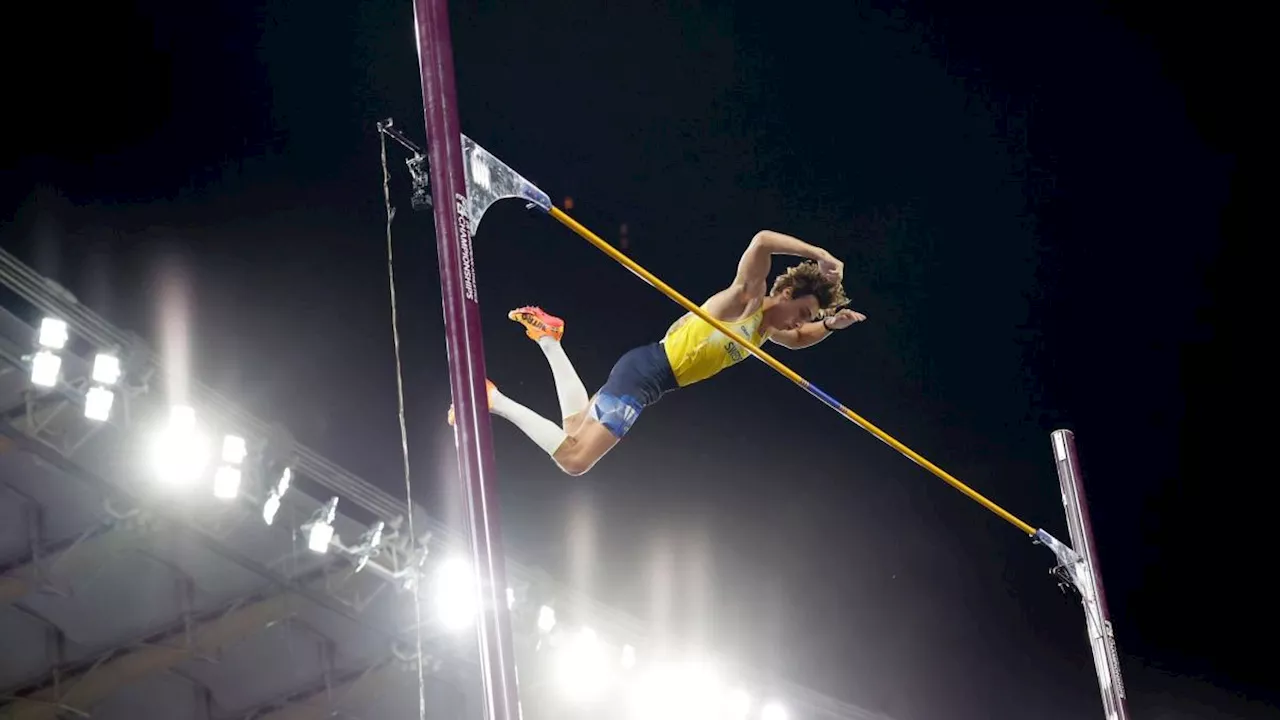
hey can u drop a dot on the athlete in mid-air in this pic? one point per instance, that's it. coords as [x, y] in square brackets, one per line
[800, 310]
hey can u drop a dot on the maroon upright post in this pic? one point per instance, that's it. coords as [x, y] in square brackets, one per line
[1088, 577]
[466, 355]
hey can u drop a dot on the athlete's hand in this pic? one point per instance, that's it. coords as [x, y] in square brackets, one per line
[843, 319]
[831, 267]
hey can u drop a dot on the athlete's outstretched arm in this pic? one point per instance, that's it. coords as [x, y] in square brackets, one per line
[811, 334]
[806, 335]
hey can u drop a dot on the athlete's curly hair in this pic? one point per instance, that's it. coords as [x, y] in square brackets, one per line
[807, 279]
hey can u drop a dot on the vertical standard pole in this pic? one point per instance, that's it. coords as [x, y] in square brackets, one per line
[1089, 577]
[466, 355]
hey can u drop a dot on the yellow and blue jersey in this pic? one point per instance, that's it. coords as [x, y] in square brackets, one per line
[697, 351]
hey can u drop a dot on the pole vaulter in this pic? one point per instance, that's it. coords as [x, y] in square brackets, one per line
[467, 180]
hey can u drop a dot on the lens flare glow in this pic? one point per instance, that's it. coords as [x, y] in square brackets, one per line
[455, 594]
[583, 669]
[180, 453]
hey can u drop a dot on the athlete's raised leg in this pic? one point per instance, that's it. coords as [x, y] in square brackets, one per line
[586, 440]
[547, 330]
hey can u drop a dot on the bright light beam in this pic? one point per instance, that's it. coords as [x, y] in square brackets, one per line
[679, 691]
[180, 453]
[583, 668]
[773, 711]
[455, 594]
[737, 704]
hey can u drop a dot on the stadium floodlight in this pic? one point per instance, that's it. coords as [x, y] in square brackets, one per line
[53, 334]
[546, 618]
[181, 452]
[320, 527]
[106, 369]
[270, 507]
[455, 594]
[319, 536]
[46, 367]
[233, 449]
[97, 403]
[511, 599]
[99, 398]
[272, 504]
[583, 670]
[773, 711]
[226, 482]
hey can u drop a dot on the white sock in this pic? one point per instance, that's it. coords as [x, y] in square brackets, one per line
[573, 395]
[548, 435]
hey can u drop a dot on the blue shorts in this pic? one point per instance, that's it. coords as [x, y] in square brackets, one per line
[639, 378]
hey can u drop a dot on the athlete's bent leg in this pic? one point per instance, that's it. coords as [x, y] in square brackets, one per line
[590, 441]
[594, 433]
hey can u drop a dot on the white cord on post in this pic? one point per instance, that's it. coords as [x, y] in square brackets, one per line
[404, 433]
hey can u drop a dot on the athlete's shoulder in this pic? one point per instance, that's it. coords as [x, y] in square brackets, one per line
[753, 309]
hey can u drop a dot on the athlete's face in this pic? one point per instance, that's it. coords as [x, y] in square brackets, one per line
[789, 313]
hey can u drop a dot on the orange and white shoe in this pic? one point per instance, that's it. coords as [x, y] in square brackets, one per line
[491, 390]
[538, 323]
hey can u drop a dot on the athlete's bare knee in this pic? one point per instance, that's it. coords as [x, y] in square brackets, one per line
[574, 462]
[573, 458]
[575, 467]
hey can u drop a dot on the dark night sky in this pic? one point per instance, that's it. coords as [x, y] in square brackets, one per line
[1043, 214]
